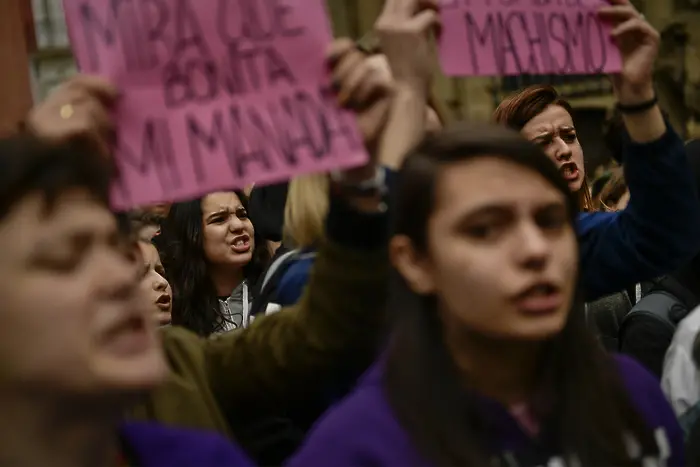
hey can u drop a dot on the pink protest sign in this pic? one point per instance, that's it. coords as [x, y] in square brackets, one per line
[512, 37]
[217, 94]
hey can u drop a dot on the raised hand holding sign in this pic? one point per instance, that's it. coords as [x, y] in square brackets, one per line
[214, 94]
[639, 45]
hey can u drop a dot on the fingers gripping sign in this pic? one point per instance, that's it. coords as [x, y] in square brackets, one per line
[638, 42]
[404, 29]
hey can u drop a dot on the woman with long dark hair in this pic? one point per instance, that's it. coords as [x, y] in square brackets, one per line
[213, 259]
[490, 356]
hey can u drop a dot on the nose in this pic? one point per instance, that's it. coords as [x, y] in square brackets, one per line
[160, 283]
[533, 248]
[562, 149]
[235, 224]
[118, 276]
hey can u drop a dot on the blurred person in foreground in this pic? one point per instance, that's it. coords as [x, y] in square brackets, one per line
[264, 386]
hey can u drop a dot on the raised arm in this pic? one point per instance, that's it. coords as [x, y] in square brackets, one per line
[335, 331]
[290, 358]
[660, 228]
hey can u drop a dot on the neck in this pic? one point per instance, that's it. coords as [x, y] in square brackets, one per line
[505, 371]
[226, 280]
[35, 431]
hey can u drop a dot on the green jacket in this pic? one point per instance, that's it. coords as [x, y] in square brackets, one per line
[276, 367]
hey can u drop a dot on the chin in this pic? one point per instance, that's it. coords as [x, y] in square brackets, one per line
[541, 329]
[575, 185]
[135, 374]
[241, 259]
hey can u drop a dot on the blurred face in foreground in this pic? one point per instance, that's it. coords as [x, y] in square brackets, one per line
[75, 321]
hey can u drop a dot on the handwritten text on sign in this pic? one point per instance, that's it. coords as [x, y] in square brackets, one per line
[512, 37]
[216, 93]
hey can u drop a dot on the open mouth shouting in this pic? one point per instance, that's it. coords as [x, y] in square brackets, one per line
[570, 171]
[241, 243]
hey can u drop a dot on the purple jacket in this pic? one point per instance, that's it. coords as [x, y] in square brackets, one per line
[155, 445]
[362, 430]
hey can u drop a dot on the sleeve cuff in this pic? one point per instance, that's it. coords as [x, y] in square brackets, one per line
[358, 230]
[657, 147]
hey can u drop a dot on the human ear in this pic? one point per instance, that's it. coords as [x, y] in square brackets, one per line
[413, 266]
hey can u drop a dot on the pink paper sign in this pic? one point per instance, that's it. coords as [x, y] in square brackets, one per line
[217, 94]
[513, 37]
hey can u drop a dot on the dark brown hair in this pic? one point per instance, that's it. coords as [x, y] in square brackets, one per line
[519, 108]
[30, 165]
[612, 191]
[581, 396]
[195, 304]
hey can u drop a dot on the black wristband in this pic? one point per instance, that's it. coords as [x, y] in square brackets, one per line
[637, 108]
[354, 229]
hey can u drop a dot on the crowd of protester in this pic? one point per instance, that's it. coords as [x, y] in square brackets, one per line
[468, 297]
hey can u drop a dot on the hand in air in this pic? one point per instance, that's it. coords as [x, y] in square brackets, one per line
[362, 87]
[77, 108]
[404, 30]
[639, 45]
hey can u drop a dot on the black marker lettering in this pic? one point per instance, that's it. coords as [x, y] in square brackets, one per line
[258, 25]
[201, 76]
[577, 39]
[555, 20]
[114, 30]
[592, 22]
[234, 81]
[509, 47]
[156, 155]
[276, 67]
[251, 130]
[548, 64]
[190, 74]
[282, 13]
[254, 21]
[478, 38]
[214, 140]
[578, 36]
[156, 17]
[188, 32]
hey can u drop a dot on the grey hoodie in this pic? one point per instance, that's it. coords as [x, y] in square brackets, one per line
[235, 310]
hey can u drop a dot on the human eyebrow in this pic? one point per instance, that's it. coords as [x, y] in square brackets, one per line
[543, 136]
[220, 212]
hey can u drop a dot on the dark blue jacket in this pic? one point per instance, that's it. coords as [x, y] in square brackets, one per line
[657, 233]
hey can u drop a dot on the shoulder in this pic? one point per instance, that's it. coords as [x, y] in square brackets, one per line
[184, 350]
[294, 279]
[637, 379]
[360, 430]
[646, 395]
[588, 222]
[177, 340]
[157, 445]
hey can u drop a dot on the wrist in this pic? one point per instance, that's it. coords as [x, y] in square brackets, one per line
[366, 195]
[355, 175]
[634, 95]
[411, 89]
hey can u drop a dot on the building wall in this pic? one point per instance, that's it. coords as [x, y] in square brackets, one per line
[15, 93]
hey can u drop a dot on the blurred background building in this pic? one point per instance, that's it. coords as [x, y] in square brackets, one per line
[35, 56]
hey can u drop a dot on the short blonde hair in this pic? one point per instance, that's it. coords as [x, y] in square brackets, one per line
[306, 209]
